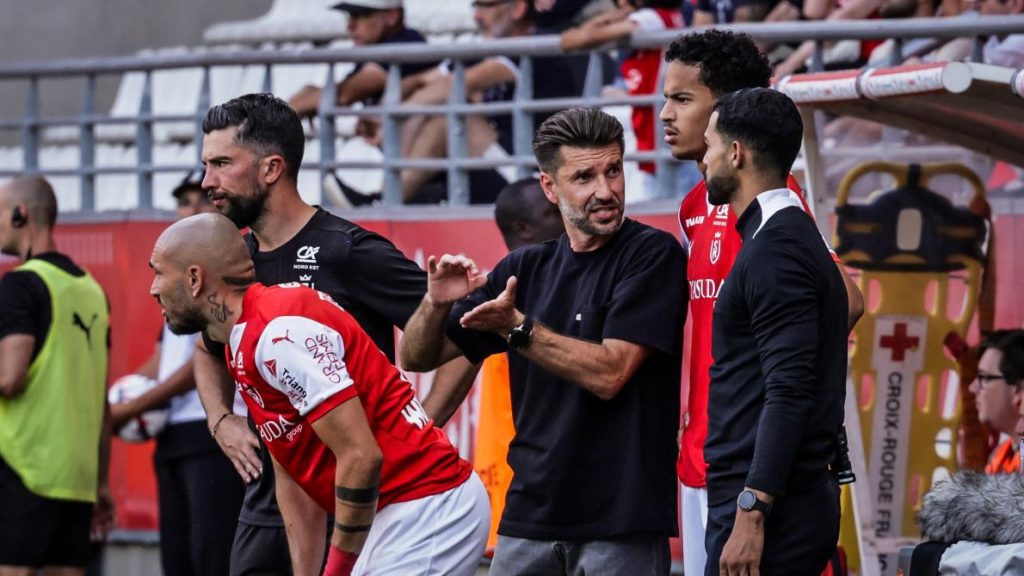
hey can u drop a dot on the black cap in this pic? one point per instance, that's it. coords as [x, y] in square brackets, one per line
[192, 181]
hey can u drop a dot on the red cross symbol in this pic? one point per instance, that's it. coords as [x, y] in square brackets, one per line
[899, 342]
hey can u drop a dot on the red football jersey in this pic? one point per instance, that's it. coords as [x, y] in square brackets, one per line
[713, 242]
[295, 356]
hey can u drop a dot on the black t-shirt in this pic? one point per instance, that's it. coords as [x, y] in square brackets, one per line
[404, 36]
[25, 300]
[778, 381]
[365, 274]
[586, 468]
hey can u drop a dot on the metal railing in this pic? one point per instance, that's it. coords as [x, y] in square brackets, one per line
[392, 112]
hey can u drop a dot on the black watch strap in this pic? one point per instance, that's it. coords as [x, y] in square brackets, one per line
[521, 336]
[749, 501]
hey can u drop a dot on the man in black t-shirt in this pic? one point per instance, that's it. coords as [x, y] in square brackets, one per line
[593, 324]
[252, 149]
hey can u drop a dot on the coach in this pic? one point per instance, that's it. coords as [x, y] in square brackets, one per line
[779, 347]
[593, 325]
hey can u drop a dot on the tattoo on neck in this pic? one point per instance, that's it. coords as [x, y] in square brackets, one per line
[220, 309]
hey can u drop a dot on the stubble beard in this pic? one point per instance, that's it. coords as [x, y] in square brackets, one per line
[580, 218]
[244, 211]
[721, 188]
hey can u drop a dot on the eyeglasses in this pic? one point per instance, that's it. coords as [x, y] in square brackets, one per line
[984, 378]
[479, 4]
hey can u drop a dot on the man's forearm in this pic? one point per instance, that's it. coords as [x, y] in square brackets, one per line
[423, 338]
[600, 368]
[452, 382]
[106, 431]
[216, 391]
[305, 524]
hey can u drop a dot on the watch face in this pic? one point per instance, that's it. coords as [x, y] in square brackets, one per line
[747, 500]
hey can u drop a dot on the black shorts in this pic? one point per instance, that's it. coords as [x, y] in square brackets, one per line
[37, 531]
[260, 551]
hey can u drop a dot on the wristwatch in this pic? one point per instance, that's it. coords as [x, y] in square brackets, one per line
[749, 501]
[521, 335]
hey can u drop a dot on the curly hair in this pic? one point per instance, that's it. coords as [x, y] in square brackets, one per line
[727, 61]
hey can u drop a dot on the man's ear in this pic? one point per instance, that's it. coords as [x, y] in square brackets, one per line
[547, 184]
[738, 155]
[196, 278]
[271, 168]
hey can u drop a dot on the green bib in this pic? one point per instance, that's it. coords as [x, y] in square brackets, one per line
[50, 433]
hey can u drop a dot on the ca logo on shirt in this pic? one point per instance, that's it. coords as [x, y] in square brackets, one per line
[307, 254]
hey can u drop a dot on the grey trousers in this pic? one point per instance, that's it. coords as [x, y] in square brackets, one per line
[636, 554]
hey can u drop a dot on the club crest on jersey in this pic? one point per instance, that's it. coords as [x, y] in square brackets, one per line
[306, 280]
[716, 248]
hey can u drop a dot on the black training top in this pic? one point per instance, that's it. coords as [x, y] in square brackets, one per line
[365, 274]
[587, 468]
[779, 345]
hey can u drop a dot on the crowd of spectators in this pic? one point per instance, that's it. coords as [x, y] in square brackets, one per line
[588, 24]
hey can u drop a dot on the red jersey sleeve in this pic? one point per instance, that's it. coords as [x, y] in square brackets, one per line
[304, 360]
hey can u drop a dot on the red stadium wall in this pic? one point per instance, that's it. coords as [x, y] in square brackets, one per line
[117, 255]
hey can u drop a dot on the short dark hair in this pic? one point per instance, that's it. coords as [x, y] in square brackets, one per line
[1011, 344]
[581, 127]
[767, 122]
[510, 205]
[727, 61]
[266, 125]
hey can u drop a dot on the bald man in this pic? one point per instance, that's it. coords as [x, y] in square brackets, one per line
[54, 424]
[337, 418]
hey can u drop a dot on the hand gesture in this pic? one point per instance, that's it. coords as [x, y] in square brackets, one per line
[452, 278]
[241, 446]
[498, 316]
